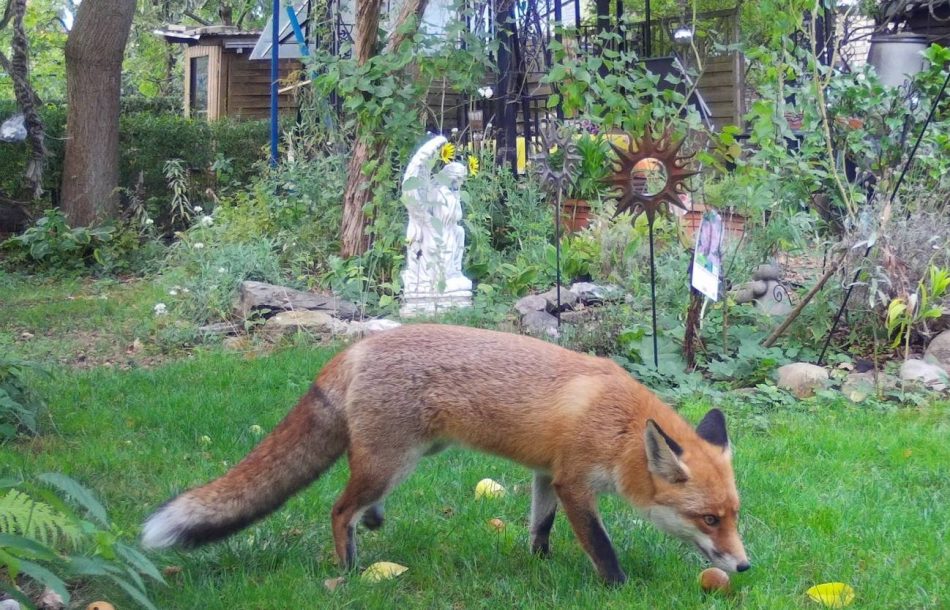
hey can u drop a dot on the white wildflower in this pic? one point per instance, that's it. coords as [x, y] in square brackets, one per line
[173, 292]
[149, 222]
[199, 209]
[199, 245]
[185, 290]
[486, 92]
[206, 221]
[160, 309]
[222, 270]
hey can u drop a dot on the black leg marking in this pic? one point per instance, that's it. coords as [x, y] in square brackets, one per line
[540, 536]
[604, 555]
[350, 549]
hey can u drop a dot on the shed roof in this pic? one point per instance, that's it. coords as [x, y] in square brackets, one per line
[229, 36]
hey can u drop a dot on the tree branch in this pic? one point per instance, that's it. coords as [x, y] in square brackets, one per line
[196, 18]
[7, 14]
[412, 8]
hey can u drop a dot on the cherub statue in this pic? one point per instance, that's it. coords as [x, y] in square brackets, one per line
[435, 240]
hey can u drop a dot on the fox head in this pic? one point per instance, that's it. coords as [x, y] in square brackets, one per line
[695, 495]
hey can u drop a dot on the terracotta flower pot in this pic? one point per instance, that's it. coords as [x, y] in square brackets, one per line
[732, 222]
[575, 214]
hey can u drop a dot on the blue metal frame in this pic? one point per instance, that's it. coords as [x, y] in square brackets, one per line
[274, 77]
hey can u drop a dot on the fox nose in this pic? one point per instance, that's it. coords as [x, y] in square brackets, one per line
[742, 567]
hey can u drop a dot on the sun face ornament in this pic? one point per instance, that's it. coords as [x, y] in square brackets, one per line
[648, 173]
[557, 162]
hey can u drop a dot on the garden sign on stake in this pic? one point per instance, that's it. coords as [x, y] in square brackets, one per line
[649, 173]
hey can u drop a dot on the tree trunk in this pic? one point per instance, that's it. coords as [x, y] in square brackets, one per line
[94, 53]
[359, 190]
[27, 100]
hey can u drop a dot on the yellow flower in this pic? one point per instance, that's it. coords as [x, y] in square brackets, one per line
[473, 165]
[447, 153]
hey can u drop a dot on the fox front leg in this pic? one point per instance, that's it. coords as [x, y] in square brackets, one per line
[581, 510]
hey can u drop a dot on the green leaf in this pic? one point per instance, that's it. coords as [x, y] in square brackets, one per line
[136, 594]
[137, 560]
[80, 494]
[12, 542]
[41, 574]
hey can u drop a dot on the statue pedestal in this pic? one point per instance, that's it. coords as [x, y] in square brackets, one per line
[427, 300]
[433, 303]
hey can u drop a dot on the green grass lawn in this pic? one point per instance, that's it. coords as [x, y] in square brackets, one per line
[830, 492]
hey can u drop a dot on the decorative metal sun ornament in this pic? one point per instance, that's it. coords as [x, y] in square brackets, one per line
[557, 162]
[628, 177]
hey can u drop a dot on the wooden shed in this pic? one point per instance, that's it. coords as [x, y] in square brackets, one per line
[220, 79]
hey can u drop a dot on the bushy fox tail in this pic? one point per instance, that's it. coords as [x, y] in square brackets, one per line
[304, 445]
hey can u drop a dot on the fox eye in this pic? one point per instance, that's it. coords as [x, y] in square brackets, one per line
[711, 520]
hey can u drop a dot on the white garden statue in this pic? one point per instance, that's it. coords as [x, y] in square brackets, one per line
[433, 277]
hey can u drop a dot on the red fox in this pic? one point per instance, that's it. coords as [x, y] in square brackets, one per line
[581, 423]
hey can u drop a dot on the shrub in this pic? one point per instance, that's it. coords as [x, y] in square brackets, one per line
[21, 408]
[149, 135]
[50, 543]
[205, 275]
[51, 245]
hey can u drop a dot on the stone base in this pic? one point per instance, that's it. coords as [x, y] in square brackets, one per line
[428, 304]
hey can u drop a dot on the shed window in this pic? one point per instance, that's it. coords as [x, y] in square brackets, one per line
[198, 87]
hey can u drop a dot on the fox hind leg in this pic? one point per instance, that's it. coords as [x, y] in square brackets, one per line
[371, 478]
[543, 509]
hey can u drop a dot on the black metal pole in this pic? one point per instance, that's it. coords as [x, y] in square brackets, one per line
[557, 254]
[656, 356]
[647, 47]
[867, 251]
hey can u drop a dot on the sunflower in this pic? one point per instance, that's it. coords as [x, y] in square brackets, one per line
[473, 165]
[447, 154]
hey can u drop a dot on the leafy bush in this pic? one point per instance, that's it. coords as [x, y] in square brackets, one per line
[21, 408]
[51, 244]
[205, 275]
[297, 205]
[52, 544]
[147, 138]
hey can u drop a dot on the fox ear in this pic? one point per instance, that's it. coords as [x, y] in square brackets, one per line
[663, 454]
[712, 429]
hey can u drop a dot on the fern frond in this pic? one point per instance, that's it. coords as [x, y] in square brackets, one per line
[20, 514]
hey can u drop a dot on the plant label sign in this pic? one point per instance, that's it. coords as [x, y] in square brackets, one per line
[707, 259]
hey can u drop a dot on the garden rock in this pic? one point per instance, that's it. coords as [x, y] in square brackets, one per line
[930, 375]
[259, 295]
[50, 600]
[219, 328]
[941, 323]
[858, 386]
[311, 321]
[568, 299]
[370, 327]
[938, 352]
[532, 302]
[766, 273]
[577, 316]
[540, 323]
[802, 378]
[594, 294]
